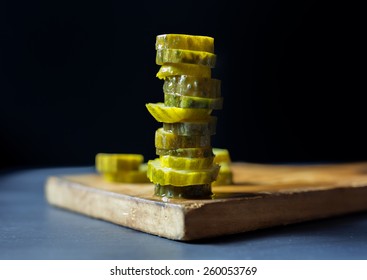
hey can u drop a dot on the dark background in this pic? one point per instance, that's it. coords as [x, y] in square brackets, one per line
[75, 77]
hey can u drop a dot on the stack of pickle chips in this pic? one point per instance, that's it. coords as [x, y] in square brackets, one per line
[185, 167]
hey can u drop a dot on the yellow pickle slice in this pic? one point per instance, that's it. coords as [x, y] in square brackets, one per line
[186, 163]
[164, 56]
[168, 176]
[167, 114]
[168, 140]
[131, 176]
[221, 155]
[225, 175]
[186, 42]
[174, 69]
[192, 86]
[116, 162]
[182, 101]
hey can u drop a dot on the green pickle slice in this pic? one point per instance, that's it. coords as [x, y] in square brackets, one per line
[163, 113]
[174, 69]
[186, 42]
[182, 101]
[195, 191]
[186, 163]
[169, 176]
[164, 56]
[168, 140]
[187, 152]
[192, 128]
[192, 86]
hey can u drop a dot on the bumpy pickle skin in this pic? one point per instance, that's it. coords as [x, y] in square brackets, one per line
[192, 86]
[184, 41]
[167, 140]
[192, 128]
[168, 114]
[169, 176]
[192, 102]
[164, 56]
[186, 163]
[186, 192]
[174, 69]
[188, 152]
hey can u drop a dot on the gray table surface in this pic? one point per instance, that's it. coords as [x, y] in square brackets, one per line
[32, 229]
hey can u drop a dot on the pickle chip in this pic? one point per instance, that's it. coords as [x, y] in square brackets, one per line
[221, 155]
[186, 163]
[167, 114]
[186, 42]
[164, 56]
[192, 128]
[168, 176]
[182, 101]
[117, 162]
[195, 191]
[174, 69]
[168, 140]
[192, 86]
[225, 175]
[131, 176]
[188, 152]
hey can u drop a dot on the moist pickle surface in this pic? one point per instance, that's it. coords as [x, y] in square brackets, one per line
[174, 69]
[168, 140]
[192, 128]
[186, 42]
[118, 162]
[168, 114]
[192, 86]
[221, 155]
[164, 56]
[225, 175]
[186, 163]
[183, 101]
[187, 152]
[168, 176]
[195, 191]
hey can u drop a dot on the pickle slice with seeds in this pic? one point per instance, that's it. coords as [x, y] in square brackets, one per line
[186, 163]
[167, 114]
[168, 176]
[192, 86]
[164, 56]
[192, 128]
[188, 152]
[195, 191]
[117, 162]
[186, 42]
[168, 140]
[174, 69]
[182, 101]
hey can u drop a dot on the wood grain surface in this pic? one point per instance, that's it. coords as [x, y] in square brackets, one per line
[262, 196]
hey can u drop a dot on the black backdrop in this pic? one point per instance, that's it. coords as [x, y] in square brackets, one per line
[75, 77]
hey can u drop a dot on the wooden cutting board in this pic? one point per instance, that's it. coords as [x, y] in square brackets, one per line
[262, 196]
